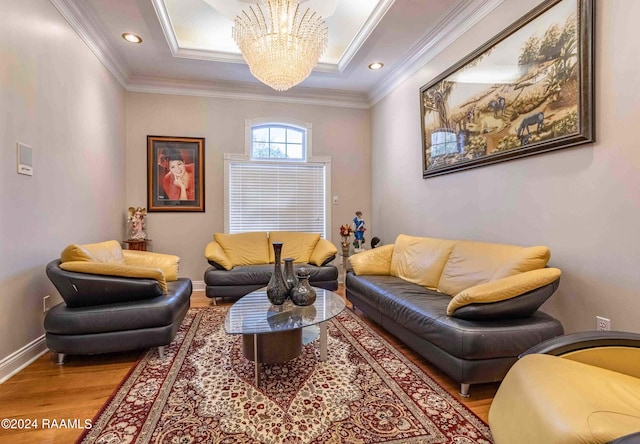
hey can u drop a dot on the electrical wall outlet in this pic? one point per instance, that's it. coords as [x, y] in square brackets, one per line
[603, 324]
[45, 303]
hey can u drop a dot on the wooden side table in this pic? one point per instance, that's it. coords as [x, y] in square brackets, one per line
[135, 244]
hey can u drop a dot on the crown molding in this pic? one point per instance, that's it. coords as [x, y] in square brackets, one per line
[363, 34]
[82, 19]
[449, 28]
[245, 91]
[458, 20]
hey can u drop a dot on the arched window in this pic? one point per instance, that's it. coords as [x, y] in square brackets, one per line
[277, 141]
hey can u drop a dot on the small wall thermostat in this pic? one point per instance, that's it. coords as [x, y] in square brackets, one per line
[25, 159]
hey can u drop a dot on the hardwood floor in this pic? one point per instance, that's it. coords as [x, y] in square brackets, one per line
[57, 400]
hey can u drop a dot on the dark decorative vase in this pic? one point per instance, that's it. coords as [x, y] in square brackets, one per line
[303, 293]
[290, 279]
[276, 288]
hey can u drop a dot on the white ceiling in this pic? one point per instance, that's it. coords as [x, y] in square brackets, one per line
[187, 46]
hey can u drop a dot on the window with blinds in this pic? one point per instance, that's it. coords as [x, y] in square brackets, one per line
[270, 196]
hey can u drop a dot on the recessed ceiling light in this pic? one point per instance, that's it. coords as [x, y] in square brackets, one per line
[376, 65]
[131, 38]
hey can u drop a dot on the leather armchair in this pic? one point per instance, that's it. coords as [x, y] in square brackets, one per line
[114, 300]
[582, 387]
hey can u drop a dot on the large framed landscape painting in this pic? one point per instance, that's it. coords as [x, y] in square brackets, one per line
[175, 173]
[527, 91]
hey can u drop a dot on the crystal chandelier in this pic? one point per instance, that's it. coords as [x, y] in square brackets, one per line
[280, 43]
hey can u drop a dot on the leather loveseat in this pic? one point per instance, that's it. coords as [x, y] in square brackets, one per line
[583, 387]
[243, 262]
[469, 308]
[114, 300]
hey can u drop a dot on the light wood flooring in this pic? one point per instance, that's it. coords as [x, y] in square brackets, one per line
[77, 390]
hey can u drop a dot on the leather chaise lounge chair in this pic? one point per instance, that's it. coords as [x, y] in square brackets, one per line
[114, 300]
[579, 388]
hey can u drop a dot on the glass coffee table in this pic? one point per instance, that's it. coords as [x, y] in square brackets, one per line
[276, 333]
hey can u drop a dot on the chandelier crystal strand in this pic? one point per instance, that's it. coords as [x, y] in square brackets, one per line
[280, 45]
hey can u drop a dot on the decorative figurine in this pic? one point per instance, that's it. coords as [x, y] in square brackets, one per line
[358, 231]
[137, 223]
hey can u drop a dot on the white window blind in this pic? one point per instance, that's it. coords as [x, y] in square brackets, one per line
[268, 196]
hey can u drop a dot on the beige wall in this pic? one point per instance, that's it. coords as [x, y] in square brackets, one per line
[583, 202]
[58, 98]
[340, 133]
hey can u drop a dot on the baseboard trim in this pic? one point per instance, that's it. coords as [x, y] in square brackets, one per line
[198, 285]
[19, 359]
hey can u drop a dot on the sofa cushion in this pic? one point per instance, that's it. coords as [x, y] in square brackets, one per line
[247, 275]
[217, 257]
[245, 248]
[472, 263]
[109, 252]
[376, 261]
[505, 288]
[295, 244]
[420, 259]
[324, 253]
[527, 259]
[168, 263]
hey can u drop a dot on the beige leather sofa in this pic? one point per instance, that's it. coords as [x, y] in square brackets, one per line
[579, 388]
[243, 262]
[469, 308]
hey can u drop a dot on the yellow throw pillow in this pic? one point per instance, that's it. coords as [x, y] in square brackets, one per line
[245, 248]
[323, 251]
[527, 259]
[109, 252]
[295, 244]
[420, 259]
[130, 271]
[503, 289]
[168, 263]
[472, 263]
[215, 253]
[376, 261]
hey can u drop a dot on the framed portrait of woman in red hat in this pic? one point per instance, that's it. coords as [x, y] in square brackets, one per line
[175, 173]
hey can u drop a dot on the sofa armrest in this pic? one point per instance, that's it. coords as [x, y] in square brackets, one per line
[584, 340]
[323, 253]
[614, 350]
[168, 263]
[119, 270]
[376, 261]
[84, 290]
[633, 438]
[503, 289]
[216, 255]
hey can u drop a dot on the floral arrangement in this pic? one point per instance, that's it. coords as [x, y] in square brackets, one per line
[345, 232]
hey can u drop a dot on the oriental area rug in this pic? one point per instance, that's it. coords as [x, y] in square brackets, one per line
[203, 391]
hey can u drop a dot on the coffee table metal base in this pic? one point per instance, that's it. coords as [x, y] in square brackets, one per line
[272, 348]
